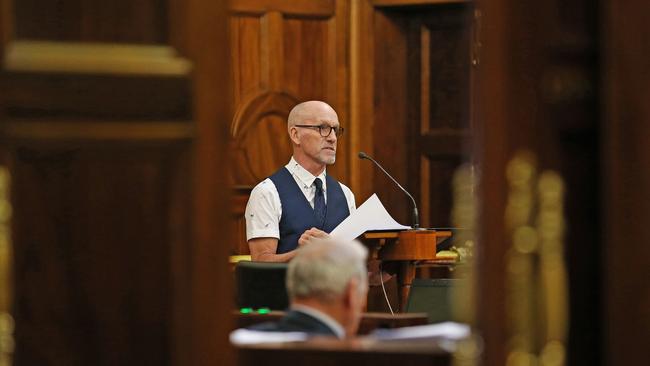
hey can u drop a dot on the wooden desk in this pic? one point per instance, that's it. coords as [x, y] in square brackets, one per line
[353, 352]
[405, 247]
[369, 321]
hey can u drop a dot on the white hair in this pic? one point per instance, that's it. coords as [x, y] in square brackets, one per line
[323, 269]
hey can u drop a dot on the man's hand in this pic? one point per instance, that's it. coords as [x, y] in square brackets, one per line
[311, 234]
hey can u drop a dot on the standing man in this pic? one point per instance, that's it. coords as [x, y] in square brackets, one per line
[300, 201]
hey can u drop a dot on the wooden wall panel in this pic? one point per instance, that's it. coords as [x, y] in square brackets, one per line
[121, 21]
[285, 52]
[448, 57]
[280, 60]
[391, 126]
[307, 60]
[439, 181]
[626, 188]
[86, 223]
[361, 99]
[246, 58]
[443, 88]
[538, 91]
[114, 125]
[421, 88]
[30, 95]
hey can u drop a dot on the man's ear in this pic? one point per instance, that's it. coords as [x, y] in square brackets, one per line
[293, 135]
[351, 293]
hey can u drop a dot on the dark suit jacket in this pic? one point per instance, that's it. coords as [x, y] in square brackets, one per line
[296, 321]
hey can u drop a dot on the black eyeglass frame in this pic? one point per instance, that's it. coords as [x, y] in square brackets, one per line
[338, 131]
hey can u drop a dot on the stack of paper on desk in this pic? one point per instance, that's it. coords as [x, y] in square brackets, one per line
[247, 336]
[371, 215]
[448, 330]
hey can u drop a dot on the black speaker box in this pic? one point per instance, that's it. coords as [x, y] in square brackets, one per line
[261, 285]
[433, 296]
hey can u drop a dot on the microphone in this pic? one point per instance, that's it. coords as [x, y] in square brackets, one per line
[416, 217]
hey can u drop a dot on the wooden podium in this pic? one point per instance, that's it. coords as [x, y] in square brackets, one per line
[406, 247]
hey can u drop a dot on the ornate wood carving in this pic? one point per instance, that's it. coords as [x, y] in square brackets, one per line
[259, 131]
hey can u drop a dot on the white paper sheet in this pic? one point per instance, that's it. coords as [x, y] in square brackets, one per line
[447, 330]
[371, 215]
[246, 336]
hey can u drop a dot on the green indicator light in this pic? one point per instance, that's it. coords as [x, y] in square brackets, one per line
[245, 310]
[263, 310]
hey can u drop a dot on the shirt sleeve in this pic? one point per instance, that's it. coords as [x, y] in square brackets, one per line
[349, 197]
[263, 212]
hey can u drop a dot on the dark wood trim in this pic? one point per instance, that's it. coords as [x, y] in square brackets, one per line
[327, 352]
[103, 97]
[206, 320]
[361, 102]
[47, 131]
[626, 189]
[272, 50]
[338, 87]
[317, 8]
[402, 3]
[492, 155]
[438, 143]
[6, 24]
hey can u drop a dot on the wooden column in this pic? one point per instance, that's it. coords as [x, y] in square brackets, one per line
[113, 125]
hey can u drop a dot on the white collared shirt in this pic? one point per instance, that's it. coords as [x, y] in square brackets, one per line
[324, 318]
[264, 209]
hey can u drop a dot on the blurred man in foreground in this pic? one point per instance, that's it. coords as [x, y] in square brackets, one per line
[327, 285]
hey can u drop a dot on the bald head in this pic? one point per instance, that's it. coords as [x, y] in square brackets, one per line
[311, 149]
[313, 110]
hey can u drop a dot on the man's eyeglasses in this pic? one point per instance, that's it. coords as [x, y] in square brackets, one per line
[325, 130]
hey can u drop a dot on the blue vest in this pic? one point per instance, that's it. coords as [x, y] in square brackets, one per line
[297, 213]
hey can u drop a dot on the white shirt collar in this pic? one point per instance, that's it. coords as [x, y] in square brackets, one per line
[304, 175]
[328, 320]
